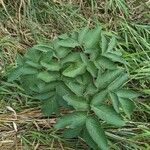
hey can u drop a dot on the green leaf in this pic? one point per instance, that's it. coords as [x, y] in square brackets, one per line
[49, 106]
[33, 64]
[62, 52]
[47, 57]
[74, 70]
[125, 93]
[15, 74]
[29, 71]
[111, 44]
[68, 43]
[33, 55]
[28, 83]
[94, 53]
[44, 87]
[79, 103]
[76, 88]
[84, 58]
[91, 68]
[99, 98]
[62, 89]
[118, 82]
[20, 60]
[74, 36]
[108, 114]
[88, 139]
[115, 58]
[96, 133]
[82, 34]
[127, 105]
[52, 65]
[72, 120]
[86, 78]
[63, 36]
[106, 63]
[72, 57]
[43, 47]
[92, 38]
[115, 101]
[103, 80]
[48, 76]
[104, 43]
[71, 133]
[43, 96]
[91, 89]
[33, 88]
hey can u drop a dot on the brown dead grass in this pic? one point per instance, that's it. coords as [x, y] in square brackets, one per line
[13, 124]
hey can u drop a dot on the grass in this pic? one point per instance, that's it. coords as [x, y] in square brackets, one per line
[25, 23]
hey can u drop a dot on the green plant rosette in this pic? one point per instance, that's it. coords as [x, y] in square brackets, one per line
[85, 72]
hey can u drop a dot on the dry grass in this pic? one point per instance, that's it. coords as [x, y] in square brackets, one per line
[16, 128]
[13, 124]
